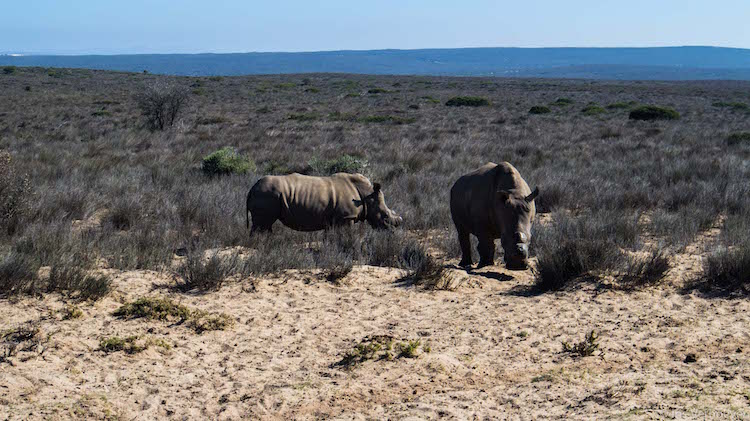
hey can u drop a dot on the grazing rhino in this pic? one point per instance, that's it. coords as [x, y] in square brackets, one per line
[494, 202]
[306, 203]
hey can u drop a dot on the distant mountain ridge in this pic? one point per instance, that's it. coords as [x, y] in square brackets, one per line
[652, 63]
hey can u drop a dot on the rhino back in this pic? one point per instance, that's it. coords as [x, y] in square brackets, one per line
[312, 203]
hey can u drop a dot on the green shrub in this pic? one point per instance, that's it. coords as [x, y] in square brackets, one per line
[467, 101]
[621, 105]
[101, 113]
[738, 138]
[735, 106]
[303, 117]
[387, 119]
[539, 109]
[409, 349]
[562, 102]
[377, 91]
[166, 309]
[9, 70]
[226, 161]
[652, 112]
[593, 110]
[585, 348]
[345, 163]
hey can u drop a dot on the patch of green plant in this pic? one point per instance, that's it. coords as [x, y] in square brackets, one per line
[738, 138]
[226, 161]
[562, 102]
[216, 78]
[735, 106]
[592, 110]
[312, 90]
[167, 310]
[467, 101]
[344, 163]
[387, 119]
[339, 116]
[352, 95]
[431, 99]
[378, 91]
[263, 110]
[131, 344]
[622, 105]
[201, 321]
[585, 348]
[154, 308]
[287, 85]
[71, 312]
[539, 109]
[652, 112]
[101, 113]
[303, 117]
[409, 349]
[9, 70]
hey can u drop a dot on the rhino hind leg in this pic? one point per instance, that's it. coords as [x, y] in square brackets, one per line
[486, 248]
[464, 241]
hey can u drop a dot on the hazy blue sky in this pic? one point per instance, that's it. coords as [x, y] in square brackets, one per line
[144, 26]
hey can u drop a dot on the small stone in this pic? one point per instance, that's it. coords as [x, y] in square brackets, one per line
[691, 358]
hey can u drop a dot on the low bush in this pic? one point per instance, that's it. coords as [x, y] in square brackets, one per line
[738, 138]
[377, 91]
[387, 119]
[161, 104]
[735, 106]
[539, 109]
[562, 102]
[18, 274]
[585, 348]
[15, 195]
[226, 161]
[198, 273]
[167, 310]
[130, 344]
[345, 163]
[646, 270]
[467, 101]
[303, 117]
[76, 283]
[593, 110]
[652, 112]
[423, 269]
[9, 70]
[728, 269]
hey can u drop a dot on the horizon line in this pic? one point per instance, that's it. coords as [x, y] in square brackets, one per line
[11, 53]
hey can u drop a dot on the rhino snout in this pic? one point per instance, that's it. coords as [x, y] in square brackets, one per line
[396, 221]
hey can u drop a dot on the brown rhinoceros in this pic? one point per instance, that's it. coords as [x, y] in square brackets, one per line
[494, 202]
[306, 203]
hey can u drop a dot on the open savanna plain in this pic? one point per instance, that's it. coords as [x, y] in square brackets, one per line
[131, 289]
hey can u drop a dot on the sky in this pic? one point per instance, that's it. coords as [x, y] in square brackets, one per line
[222, 26]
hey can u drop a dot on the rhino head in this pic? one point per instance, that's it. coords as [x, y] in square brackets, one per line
[378, 215]
[514, 218]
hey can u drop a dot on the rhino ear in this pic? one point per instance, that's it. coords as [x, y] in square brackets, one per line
[376, 187]
[533, 195]
[503, 195]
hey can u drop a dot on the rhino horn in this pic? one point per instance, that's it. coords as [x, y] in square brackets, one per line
[533, 195]
[376, 187]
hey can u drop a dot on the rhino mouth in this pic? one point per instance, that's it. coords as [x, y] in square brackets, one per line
[517, 263]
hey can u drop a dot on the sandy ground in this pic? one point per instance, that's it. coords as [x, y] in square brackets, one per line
[495, 353]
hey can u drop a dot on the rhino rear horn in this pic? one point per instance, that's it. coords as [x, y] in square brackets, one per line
[533, 195]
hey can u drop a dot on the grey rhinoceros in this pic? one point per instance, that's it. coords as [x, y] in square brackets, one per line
[494, 202]
[307, 203]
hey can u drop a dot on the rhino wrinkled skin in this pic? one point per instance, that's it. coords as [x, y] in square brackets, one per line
[494, 202]
[307, 203]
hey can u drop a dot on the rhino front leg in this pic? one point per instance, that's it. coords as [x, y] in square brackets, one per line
[486, 248]
[464, 240]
